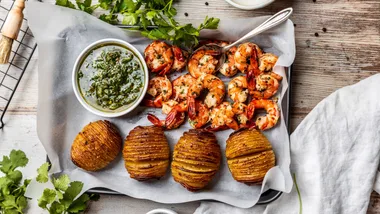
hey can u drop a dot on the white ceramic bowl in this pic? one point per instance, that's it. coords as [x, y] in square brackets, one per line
[161, 211]
[249, 4]
[77, 65]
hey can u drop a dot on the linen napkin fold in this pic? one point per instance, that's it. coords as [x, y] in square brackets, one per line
[335, 156]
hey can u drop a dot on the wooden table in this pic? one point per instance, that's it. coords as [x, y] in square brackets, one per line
[338, 44]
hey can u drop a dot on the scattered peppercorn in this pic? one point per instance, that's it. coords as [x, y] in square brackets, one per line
[316, 34]
[206, 3]
[294, 25]
[324, 29]
[186, 14]
[314, 0]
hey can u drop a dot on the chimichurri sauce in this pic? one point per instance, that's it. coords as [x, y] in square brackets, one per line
[111, 78]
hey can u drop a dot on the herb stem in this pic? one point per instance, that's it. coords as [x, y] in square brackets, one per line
[298, 192]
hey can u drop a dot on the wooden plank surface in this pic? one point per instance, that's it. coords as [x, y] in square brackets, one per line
[338, 43]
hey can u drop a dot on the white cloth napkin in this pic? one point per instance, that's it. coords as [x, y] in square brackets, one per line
[335, 156]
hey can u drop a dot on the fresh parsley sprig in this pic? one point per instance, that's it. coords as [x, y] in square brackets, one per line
[146, 13]
[61, 199]
[12, 190]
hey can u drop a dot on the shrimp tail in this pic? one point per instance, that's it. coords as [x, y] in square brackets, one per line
[251, 80]
[250, 111]
[166, 70]
[157, 122]
[157, 103]
[233, 125]
[174, 119]
[171, 118]
[192, 108]
[254, 65]
[178, 54]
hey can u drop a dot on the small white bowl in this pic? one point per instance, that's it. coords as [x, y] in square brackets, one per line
[80, 59]
[161, 211]
[249, 4]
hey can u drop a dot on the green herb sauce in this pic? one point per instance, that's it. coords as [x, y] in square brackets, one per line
[111, 78]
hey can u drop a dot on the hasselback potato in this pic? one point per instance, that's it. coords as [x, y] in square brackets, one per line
[249, 156]
[96, 146]
[146, 153]
[196, 159]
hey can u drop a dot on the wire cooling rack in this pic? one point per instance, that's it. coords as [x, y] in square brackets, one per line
[22, 51]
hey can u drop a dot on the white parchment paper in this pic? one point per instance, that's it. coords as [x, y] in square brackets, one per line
[63, 33]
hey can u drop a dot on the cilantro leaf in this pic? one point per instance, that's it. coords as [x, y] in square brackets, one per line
[56, 208]
[146, 13]
[6, 165]
[65, 3]
[21, 203]
[15, 176]
[86, 6]
[209, 23]
[43, 173]
[105, 4]
[48, 197]
[110, 18]
[151, 14]
[72, 191]
[18, 158]
[61, 183]
[79, 204]
[129, 19]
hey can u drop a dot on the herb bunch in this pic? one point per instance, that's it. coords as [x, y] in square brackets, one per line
[12, 190]
[145, 13]
[61, 199]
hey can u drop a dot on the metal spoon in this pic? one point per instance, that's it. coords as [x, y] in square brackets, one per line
[273, 21]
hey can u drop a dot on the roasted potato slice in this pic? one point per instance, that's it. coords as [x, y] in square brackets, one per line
[196, 159]
[97, 145]
[146, 153]
[249, 156]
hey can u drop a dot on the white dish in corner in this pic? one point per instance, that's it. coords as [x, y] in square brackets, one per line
[249, 4]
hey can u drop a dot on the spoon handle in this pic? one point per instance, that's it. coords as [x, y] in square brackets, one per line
[273, 21]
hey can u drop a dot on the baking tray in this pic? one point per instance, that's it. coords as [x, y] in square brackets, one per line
[267, 196]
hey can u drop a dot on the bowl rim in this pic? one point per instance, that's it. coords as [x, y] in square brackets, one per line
[259, 4]
[76, 86]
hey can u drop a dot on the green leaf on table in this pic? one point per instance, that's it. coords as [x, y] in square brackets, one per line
[209, 23]
[21, 203]
[86, 6]
[15, 176]
[48, 196]
[159, 2]
[157, 33]
[129, 19]
[109, 18]
[56, 208]
[65, 3]
[150, 15]
[144, 21]
[9, 202]
[71, 192]
[79, 204]
[105, 4]
[18, 158]
[42, 176]
[128, 6]
[62, 182]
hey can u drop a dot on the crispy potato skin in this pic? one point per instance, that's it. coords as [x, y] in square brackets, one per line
[97, 145]
[249, 156]
[146, 153]
[196, 159]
